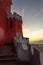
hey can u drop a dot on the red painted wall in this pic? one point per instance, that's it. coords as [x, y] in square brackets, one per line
[2, 28]
[5, 5]
[8, 27]
[4, 9]
[11, 32]
[16, 28]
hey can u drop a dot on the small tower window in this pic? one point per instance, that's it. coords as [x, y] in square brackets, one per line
[11, 24]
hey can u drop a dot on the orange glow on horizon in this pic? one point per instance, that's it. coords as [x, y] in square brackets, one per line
[34, 35]
[32, 40]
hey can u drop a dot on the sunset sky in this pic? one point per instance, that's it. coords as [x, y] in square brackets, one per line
[32, 13]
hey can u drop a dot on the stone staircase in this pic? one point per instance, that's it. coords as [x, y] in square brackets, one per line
[7, 55]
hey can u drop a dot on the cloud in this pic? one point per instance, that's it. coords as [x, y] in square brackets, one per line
[38, 13]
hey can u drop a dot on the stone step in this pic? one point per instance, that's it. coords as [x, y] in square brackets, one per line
[8, 58]
[10, 62]
[7, 50]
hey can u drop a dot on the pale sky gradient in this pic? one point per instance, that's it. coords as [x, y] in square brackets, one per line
[32, 13]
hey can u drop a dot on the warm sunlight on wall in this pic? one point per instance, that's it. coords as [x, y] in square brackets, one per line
[34, 35]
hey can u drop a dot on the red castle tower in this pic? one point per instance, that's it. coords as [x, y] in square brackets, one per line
[9, 24]
[4, 9]
[14, 25]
